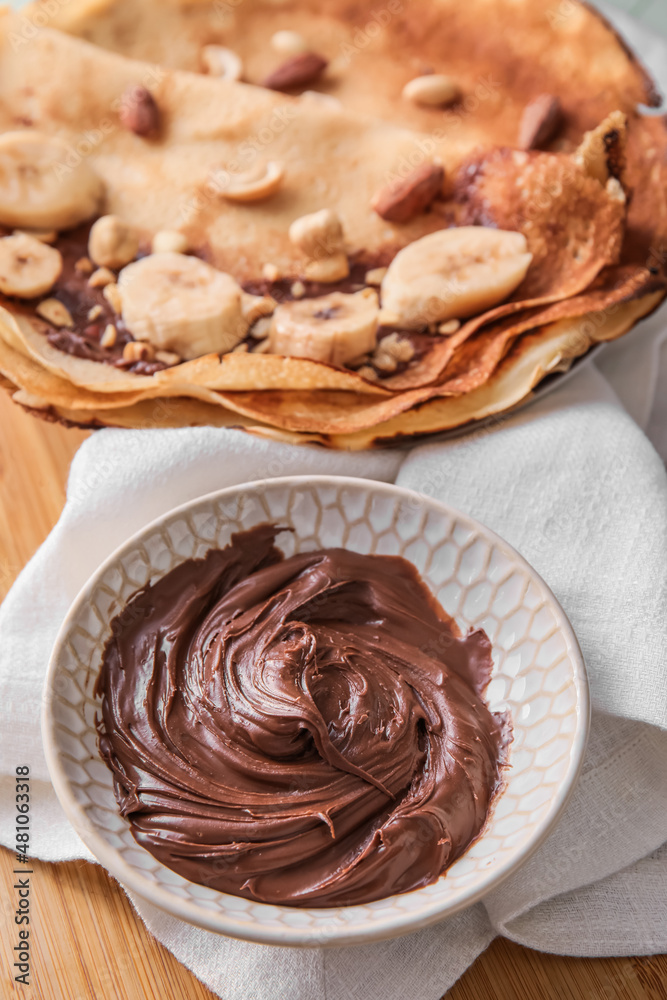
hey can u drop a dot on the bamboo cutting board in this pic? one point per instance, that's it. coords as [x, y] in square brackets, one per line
[87, 943]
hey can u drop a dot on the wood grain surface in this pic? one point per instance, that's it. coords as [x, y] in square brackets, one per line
[87, 942]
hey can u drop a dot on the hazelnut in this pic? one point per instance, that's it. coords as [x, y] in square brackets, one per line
[136, 350]
[319, 234]
[112, 242]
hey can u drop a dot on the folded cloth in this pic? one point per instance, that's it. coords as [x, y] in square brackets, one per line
[575, 485]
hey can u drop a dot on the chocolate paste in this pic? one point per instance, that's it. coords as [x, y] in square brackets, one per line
[307, 731]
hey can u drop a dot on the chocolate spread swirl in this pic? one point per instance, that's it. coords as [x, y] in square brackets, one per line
[307, 731]
[83, 339]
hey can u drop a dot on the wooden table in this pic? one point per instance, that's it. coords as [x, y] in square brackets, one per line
[88, 944]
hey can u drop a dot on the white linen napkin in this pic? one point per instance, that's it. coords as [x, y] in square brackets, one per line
[574, 484]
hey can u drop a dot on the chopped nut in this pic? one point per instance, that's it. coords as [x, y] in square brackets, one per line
[391, 351]
[84, 266]
[253, 185]
[112, 242]
[103, 276]
[169, 358]
[319, 234]
[384, 361]
[239, 349]
[95, 313]
[137, 350]
[270, 272]
[298, 290]
[112, 295]
[451, 326]
[388, 318]
[368, 373]
[261, 328]
[169, 241]
[401, 349]
[328, 269]
[262, 347]
[357, 362]
[432, 90]
[139, 112]
[54, 312]
[255, 306]
[289, 43]
[375, 276]
[402, 200]
[299, 70]
[540, 121]
[43, 235]
[108, 338]
[221, 62]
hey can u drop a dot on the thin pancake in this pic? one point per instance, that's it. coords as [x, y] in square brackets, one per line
[575, 230]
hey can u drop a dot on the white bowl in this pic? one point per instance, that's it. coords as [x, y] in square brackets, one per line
[539, 675]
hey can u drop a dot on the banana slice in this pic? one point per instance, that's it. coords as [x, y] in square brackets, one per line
[43, 185]
[182, 304]
[454, 273]
[335, 328]
[28, 267]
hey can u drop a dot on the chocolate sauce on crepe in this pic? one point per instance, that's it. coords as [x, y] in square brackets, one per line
[308, 731]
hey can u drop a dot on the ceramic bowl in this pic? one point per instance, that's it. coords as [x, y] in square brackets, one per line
[539, 675]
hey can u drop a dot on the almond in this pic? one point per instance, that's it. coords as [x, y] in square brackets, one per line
[139, 112]
[541, 119]
[296, 72]
[402, 200]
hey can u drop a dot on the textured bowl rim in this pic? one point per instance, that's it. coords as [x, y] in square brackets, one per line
[395, 924]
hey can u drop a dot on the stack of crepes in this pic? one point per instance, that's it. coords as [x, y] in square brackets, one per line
[591, 201]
